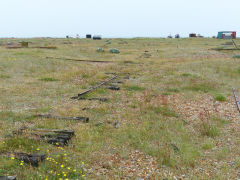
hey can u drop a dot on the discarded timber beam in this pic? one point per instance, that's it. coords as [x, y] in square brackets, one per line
[218, 49]
[14, 47]
[70, 132]
[94, 99]
[114, 88]
[46, 47]
[48, 116]
[95, 87]
[81, 60]
[32, 159]
[236, 99]
[59, 138]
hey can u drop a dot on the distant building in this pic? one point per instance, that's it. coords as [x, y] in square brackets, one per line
[193, 35]
[227, 35]
[89, 36]
[177, 36]
[97, 37]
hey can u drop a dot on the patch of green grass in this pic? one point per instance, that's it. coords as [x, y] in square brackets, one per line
[209, 144]
[164, 110]
[220, 97]
[14, 117]
[85, 76]
[186, 74]
[220, 122]
[134, 88]
[200, 87]
[4, 76]
[208, 129]
[48, 79]
[175, 90]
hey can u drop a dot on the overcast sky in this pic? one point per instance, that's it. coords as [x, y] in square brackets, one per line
[117, 18]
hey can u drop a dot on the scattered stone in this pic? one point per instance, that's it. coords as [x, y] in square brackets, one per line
[100, 50]
[114, 51]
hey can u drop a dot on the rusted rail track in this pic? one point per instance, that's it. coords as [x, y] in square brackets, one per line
[236, 99]
[235, 44]
[94, 87]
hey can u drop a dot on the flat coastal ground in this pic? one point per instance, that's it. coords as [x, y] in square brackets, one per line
[174, 116]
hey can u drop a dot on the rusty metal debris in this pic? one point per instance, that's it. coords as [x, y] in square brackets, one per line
[235, 44]
[49, 116]
[236, 99]
[94, 87]
[81, 60]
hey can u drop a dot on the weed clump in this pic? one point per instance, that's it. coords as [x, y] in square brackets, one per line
[48, 79]
[207, 127]
[134, 88]
[164, 110]
[220, 97]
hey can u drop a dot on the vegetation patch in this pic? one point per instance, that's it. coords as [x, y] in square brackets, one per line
[220, 97]
[134, 88]
[164, 110]
[4, 76]
[201, 87]
[48, 79]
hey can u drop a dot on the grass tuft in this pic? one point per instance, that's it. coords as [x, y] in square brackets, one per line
[48, 79]
[220, 97]
[134, 88]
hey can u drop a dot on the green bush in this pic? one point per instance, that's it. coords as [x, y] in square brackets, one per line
[220, 97]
